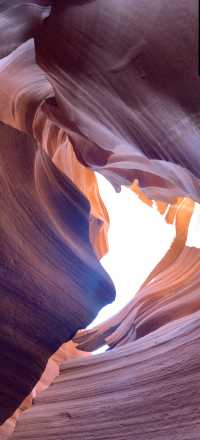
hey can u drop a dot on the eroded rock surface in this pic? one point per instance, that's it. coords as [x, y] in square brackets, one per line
[109, 86]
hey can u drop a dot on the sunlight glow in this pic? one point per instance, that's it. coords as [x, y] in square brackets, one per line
[138, 238]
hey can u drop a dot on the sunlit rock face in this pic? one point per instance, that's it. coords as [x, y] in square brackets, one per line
[85, 86]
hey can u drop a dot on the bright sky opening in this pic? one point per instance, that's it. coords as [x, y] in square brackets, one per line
[138, 238]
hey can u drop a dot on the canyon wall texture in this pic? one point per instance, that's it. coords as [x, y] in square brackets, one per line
[111, 87]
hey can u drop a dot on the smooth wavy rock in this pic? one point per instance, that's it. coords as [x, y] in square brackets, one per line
[119, 329]
[172, 294]
[146, 389]
[109, 86]
[23, 90]
[51, 281]
[126, 83]
[159, 299]
[19, 20]
[65, 352]
[54, 140]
